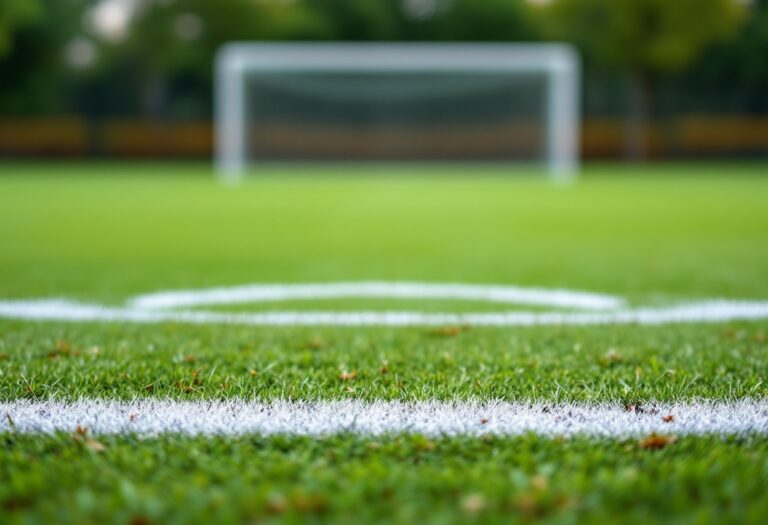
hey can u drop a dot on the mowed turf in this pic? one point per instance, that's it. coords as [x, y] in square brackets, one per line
[656, 235]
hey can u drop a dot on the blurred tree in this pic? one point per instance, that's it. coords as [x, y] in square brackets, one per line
[357, 20]
[13, 14]
[734, 75]
[170, 46]
[34, 73]
[85, 57]
[469, 20]
[644, 38]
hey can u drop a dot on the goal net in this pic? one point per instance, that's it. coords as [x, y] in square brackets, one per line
[515, 103]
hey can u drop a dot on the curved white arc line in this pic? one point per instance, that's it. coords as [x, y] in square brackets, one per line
[400, 290]
[433, 418]
[703, 312]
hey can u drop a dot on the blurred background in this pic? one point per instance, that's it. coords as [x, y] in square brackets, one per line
[663, 79]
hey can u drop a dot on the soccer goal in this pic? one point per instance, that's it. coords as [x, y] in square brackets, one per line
[510, 103]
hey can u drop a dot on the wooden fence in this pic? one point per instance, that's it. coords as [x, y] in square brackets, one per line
[689, 136]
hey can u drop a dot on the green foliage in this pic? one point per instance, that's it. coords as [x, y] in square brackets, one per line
[157, 52]
[157, 72]
[654, 36]
[14, 14]
[35, 77]
[470, 20]
[357, 20]
[740, 59]
[643, 39]
[155, 37]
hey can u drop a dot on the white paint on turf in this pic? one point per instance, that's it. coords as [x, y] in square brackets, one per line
[702, 312]
[431, 418]
[585, 308]
[259, 293]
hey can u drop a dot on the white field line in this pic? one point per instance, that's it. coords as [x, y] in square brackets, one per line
[703, 312]
[431, 418]
[400, 290]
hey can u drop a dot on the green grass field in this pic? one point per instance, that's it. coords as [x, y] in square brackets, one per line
[102, 233]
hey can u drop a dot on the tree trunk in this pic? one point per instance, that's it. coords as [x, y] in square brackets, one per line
[639, 117]
[153, 98]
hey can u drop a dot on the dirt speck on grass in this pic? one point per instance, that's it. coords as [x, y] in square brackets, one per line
[15, 504]
[539, 482]
[610, 358]
[639, 408]
[94, 445]
[656, 441]
[448, 331]
[348, 376]
[315, 343]
[277, 504]
[310, 504]
[473, 504]
[62, 348]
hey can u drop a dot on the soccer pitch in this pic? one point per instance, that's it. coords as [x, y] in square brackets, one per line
[359, 344]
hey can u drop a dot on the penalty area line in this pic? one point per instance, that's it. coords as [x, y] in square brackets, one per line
[715, 311]
[431, 418]
[260, 293]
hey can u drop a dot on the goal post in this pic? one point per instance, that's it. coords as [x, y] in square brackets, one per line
[394, 100]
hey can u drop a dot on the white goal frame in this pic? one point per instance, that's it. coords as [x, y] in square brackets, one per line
[558, 62]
